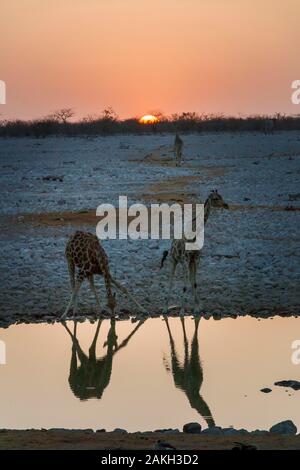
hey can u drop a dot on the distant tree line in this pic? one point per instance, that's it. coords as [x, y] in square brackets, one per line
[108, 123]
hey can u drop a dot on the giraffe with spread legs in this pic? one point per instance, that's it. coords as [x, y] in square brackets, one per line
[84, 252]
[189, 259]
[178, 144]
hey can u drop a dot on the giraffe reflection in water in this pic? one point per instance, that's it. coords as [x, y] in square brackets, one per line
[90, 377]
[188, 376]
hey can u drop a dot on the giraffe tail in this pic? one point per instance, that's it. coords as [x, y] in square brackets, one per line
[165, 254]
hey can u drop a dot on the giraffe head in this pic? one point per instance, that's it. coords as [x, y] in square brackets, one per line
[216, 200]
[111, 302]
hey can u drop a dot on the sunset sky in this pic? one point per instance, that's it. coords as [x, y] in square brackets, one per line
[138, 56]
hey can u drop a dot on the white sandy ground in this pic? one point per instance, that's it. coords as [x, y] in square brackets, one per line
[250, 259]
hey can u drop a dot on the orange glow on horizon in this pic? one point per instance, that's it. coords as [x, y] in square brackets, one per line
[210, 56]
[148, 119]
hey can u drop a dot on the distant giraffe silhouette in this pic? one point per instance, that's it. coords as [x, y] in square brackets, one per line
[268, 126]
[188, 376]
[90, 377]
[178, 144]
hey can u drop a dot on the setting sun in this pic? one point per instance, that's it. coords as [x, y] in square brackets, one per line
[148, 119]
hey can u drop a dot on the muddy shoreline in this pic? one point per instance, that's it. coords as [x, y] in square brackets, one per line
[64, 439]
[38, 318]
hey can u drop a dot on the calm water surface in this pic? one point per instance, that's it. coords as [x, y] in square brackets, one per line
[149, 375]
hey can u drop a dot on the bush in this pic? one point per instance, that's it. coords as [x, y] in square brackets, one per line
[108, 123]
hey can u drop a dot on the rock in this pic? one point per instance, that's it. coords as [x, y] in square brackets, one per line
[284, 427]
[294, 384]
[217, 316]
[120, 431]
[63, 430]
[242, 446]
[100, 430]
[168, 431]
[232, 431]
[229, 431]
[266, 390]
[173, 431]
[163, 445]
[192, 428]
[259, 432]
[53, 178]
[214, 430]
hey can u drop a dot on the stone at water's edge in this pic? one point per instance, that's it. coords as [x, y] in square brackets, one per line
[66, 430]
[167, 431]
[259, 432]
[294, 384]
[285, 428]
[232, 431]
[214, 430]
[192, 428]
[266, 390]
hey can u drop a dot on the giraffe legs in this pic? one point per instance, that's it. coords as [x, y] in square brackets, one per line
[92, 350]
[71, 269]
[79, 281]
[171, 279]
[183, 329]
[175, 156]
[193, 281]
[93, 288]
[178, 156]
[74, 296]
[184, 294]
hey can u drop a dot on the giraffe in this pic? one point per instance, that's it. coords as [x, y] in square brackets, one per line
[85, 252]
[188, 376]
[189, 259]
[90, 378]
[178, 144]
[268, 126]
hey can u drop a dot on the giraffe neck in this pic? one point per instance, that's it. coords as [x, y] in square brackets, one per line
[207, 208]
[107, 280]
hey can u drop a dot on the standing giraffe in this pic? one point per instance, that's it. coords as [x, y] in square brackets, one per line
[178, 144]
[268, 126]
[189, 259]
[85, 252]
